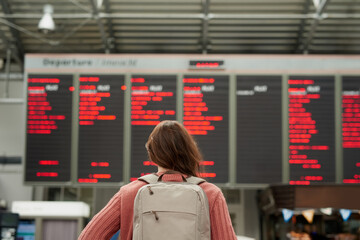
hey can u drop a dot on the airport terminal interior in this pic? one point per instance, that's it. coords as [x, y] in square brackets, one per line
[269, 90]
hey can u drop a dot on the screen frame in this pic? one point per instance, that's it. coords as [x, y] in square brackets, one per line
[330, 68]
[232, 146]
[284, 120]
[75, 144]
[178, 108]
[339, 150]
[40, 183]
[337, 124]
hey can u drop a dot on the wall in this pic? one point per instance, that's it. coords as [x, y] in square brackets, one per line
[12, 137]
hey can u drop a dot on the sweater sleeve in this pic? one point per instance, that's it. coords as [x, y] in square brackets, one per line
[105, 223]
[221, 226]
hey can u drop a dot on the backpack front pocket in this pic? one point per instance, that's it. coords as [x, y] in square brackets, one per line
[169, 225]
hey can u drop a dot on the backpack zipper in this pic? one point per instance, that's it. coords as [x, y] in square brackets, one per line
[155, 215]
[150, 191]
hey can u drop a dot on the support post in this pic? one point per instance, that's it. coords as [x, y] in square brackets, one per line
[100, 25]
[205, 26]
[314, 24]
[7, 70]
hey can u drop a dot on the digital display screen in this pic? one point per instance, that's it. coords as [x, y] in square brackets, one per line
[26, 230]
[48, 139]
[311, 129]
[153, 99]
[101, 123]
[259, 131]
[351, 128]
[206, 117]
[206, 64]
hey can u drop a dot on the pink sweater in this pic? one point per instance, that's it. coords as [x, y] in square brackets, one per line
[118, 213]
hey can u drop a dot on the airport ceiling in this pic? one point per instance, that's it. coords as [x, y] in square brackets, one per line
[182, 26]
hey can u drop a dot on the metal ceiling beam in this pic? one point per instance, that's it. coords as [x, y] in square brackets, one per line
[100, 25]
[111, 42]
[205, 26]
[39, 16]
[284, 16]
[184, 16]
[80, 5]
[32, 34]
[302, 26]
[319, 11]
[19, 49]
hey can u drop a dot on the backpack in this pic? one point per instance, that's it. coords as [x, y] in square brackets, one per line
[171, 210]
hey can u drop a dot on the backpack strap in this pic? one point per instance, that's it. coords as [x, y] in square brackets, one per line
[195, 180]
[150, 178]
[153, 178]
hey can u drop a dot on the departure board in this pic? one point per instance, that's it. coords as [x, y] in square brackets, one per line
[48, 139]
[101, 123]
[311, 129]
[153, 99]
[351, 128]
[259, 131]
[206, 117]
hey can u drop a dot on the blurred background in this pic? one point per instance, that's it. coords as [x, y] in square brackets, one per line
[270, 90]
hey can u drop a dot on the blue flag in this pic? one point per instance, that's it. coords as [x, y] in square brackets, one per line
[345, 214]
[287, 214]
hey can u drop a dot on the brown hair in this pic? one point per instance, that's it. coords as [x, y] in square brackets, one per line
[171, 146]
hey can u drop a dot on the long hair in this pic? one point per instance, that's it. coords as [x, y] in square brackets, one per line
[171, 146]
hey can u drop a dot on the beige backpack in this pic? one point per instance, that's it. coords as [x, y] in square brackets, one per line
[171, 210]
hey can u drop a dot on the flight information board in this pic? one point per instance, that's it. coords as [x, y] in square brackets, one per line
[48, 139]
[206, 117]
[351, 128]
[101, 123]
[153, 99]
[259, 131]
[311, 129]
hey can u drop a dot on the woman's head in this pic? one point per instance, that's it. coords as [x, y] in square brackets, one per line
[170, 146]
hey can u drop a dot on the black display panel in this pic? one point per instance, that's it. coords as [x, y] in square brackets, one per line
[311, 129]
[48, 139]
[101, 123]
[206, 117]
[351, 128]
[203, 64]
[259, 131]
[153, 99]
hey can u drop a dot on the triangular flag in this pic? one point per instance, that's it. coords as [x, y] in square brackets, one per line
[327, 211]
[309, 215]
[287, 214]
[345, 214]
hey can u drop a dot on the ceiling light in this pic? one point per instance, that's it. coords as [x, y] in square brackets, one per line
[316, 4]
[47, 23]
[99, 3]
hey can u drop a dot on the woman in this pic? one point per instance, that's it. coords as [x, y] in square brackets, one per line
[170, 147]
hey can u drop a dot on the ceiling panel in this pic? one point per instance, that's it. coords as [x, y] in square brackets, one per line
[187, 26]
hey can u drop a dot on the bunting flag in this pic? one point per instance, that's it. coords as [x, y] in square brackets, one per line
[287, 214]
[345, 214]
[327, 211]
[309, 215]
